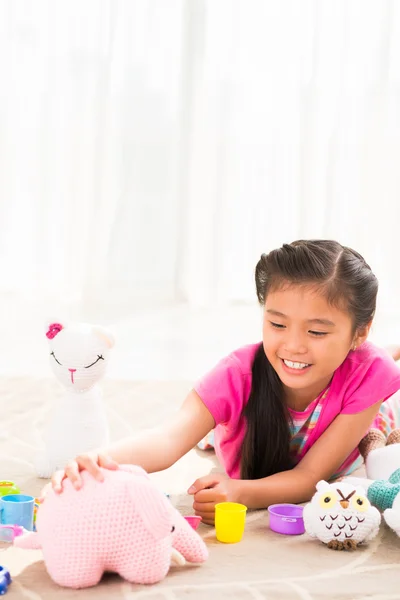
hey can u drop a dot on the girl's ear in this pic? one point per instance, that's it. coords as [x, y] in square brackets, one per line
[361, 335]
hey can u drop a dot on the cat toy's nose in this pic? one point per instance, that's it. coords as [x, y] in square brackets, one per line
[72, 371]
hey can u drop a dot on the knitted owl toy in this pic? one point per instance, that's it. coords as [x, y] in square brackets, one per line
[123, 524]
[341, 516]
[78, 358]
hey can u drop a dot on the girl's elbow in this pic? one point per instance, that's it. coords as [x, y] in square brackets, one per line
[309, 477]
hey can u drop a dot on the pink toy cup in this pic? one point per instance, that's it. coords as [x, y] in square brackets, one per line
[193, 521]
[286, 519]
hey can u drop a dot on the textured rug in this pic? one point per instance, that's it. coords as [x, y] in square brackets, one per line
[264, 565]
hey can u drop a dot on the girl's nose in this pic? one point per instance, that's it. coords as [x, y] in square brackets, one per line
[295, 345]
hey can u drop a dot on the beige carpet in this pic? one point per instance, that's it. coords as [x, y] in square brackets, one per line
[264, 565]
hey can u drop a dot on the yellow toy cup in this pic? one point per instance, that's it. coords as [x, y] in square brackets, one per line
[230, 519]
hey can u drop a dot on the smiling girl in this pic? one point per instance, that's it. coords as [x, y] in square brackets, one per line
[291, 410]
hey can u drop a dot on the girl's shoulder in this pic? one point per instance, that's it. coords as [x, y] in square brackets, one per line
[243, 357]
[368, 356]
[226, 388]
[367, 375]
[237, 364]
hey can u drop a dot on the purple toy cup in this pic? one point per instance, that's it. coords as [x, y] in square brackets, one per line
[286, 519]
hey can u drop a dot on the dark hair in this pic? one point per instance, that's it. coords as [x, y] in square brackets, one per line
[346, 280]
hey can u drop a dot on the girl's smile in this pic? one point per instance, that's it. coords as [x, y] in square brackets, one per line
[295, 368]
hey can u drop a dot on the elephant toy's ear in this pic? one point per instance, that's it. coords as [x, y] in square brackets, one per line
[152, 506]
[187, 541]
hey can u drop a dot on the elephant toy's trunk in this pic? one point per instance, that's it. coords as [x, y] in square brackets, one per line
[29, 541]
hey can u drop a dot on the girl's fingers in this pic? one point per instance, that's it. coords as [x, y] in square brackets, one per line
[206, 507]
[209, 522]
[208, 481]
[208, 495]
[207, 517]
[72, 472]
[107, 462]
[88, 462]
[56, 481]
[44, 491]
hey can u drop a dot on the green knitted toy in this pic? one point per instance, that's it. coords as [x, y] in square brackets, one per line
[381, 493]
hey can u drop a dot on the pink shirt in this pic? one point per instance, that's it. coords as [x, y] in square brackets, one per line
[366, 376]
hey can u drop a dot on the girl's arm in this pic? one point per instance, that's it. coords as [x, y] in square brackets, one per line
[294, 486]
[320, 462]
[159, 448]
[154, 450]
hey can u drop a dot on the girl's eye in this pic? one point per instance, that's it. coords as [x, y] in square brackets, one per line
[318, 333]
[54, 356]
[277, 325]
[99, 357]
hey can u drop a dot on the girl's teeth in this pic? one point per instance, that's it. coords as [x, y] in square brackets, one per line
[295, 365]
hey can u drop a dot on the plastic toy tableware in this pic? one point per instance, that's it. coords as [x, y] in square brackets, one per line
[230, 519]
[8, 487]
[17, 509]
[286, 519]
[9, 532]
[35, 510]
[194, 521]
[5, 580]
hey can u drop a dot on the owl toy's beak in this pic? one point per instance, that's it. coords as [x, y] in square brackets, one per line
[344, 504]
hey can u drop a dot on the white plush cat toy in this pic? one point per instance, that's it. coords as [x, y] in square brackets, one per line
[78, 358]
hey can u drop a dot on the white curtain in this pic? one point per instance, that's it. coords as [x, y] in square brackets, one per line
[151, 150]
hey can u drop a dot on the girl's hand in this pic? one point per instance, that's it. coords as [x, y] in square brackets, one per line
[209, 491]
[92, 461]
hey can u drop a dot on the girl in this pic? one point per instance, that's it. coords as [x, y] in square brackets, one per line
[291, 410]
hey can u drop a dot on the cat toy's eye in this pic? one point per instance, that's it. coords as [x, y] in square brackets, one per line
[54, 356]
[99, 357]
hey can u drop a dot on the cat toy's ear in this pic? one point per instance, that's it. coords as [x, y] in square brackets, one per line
[105, 335]
[53, 329]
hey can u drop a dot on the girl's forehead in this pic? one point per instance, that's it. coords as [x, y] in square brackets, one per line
[304, 301]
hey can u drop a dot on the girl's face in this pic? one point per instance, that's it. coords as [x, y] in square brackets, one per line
[305, 339]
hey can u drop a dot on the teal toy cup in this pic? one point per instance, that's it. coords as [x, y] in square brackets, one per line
[17, 509]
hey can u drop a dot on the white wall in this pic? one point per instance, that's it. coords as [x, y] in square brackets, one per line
[151, 151]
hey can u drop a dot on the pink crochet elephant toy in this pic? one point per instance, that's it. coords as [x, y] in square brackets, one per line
[123, 524]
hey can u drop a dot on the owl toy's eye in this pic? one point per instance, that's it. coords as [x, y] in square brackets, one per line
[360, 503]
[327, 500]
